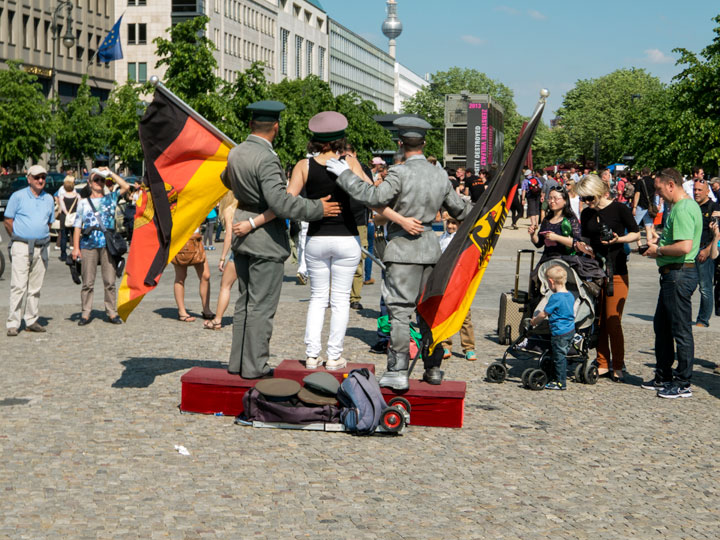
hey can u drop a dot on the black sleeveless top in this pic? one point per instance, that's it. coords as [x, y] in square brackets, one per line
[321, 183]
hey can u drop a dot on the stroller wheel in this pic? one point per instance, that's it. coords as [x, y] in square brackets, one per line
[526, 376]
[392, 420]
[537, 379]
[546, 364]
[590, 373]
[496, 372]
[579, 373]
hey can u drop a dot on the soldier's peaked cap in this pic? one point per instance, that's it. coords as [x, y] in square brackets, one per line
[328, 126]
[411, 126]
[266, 111]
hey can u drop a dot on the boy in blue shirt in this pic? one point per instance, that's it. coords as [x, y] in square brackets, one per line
[559, 311]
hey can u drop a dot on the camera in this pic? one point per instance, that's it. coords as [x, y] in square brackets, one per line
[643, 249]
[606, 233]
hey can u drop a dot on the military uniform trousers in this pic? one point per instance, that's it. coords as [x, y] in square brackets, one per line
[402, 285]
[259, 284]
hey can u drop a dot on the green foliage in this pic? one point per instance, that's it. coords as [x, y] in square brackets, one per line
[598, 108]
[188, 55]
[80, 130]
[120, 116]
[24, 116]
[250, 86]
[364, 133]
[429, 102]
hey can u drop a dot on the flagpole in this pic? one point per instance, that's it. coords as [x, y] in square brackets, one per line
[155, 81]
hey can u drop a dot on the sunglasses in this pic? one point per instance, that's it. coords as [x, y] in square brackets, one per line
[99, 180]
[588, 198]
[40, 177]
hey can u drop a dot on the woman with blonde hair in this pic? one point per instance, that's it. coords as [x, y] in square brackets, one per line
[226, 209]
[608, 224]
[575, 202]
[67, 200]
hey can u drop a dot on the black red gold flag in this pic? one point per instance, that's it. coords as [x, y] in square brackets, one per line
[452, 285]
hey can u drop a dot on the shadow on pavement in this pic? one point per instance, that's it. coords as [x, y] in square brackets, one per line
[366, 336]
[649, 318]
[140, 372]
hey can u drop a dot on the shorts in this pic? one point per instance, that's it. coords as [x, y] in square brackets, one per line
[533, 206]
[642, 217]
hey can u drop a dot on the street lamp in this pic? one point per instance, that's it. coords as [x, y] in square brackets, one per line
[68, 40]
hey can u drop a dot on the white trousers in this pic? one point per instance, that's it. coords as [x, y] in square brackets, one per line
[25, 278]
[302, 240]
[329, 259]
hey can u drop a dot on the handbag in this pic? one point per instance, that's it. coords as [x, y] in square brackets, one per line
[192, 252]
[652, 209]
[114, 241]
[70, 217]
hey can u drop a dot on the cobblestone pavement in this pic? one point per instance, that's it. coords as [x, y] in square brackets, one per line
[89, 420]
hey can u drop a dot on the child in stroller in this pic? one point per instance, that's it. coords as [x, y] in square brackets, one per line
[534, 343]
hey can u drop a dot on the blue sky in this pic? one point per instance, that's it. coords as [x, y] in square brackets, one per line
[527, 44]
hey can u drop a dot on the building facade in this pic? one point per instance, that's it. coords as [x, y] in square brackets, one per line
[302, 44]
[407, 83]
[356, 65]
[26, 35]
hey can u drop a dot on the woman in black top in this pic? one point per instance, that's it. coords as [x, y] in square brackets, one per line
[560, 230]
[608, 225]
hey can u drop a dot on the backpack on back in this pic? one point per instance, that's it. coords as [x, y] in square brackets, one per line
[362, 402]
[534, 186]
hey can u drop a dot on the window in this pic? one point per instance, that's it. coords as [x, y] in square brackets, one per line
[90, 50]
[11, 33]
[78, 48]
[26, 31]
[298, 56]
[321, 62]
[46, 35]
[36, 34]
[132, 36]
[309, 59]
[139, 3]
[284, 35]
[142, 33]
[217, 6]
[142, 72]
[132, 71]
[137, 33]
[1, 29]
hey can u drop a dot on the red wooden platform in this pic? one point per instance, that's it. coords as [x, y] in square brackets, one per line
[213, 390]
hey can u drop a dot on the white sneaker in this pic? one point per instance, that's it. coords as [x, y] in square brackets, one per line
[313, 362]
[338, 363]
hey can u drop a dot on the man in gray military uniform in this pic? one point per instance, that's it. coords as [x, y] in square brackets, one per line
[256, 177]
[414, 189]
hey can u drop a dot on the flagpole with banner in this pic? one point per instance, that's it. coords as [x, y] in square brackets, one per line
[111, 48]
[451, 287]
[184, 157]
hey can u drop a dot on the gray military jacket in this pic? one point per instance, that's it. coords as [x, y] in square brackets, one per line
[256, 177]
[415, 189]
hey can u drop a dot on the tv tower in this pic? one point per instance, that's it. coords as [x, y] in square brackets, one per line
[392, 27]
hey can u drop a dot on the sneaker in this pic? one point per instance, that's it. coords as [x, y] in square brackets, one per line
[702, 325]
[653, 384]
[673, 391]
[370, 281]
[338, 363]
[380, 347]
[35, 327]
[313, 362]
[356, 306]
[12, 332]
[555, 386]
[470, 356]
[446, 354]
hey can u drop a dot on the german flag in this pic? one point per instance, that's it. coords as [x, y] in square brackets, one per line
[452, 285]
[184, 156]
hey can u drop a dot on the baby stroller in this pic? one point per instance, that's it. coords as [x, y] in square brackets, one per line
[533, 344]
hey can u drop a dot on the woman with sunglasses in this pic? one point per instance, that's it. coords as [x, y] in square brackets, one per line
[575, 202]
[559, 232]
[608, 225]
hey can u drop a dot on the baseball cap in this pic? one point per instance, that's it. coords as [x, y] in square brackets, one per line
[36, 170]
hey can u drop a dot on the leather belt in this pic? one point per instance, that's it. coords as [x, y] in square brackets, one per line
[667, 268]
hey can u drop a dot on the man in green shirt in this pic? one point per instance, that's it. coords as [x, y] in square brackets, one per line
[675, 253]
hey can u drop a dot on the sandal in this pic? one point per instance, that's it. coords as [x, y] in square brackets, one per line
[212, 325]
[186, 318]
[208, 316]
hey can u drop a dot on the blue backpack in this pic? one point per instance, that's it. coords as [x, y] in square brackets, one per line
[362, 402]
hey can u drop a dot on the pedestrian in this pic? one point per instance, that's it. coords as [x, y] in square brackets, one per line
[256, 177]
[559, 232]
[704, 262]
[675, 252]
[532, 191]
[28, 216]
[560, 315]
[90, 244]
[415, 188]
[644, 207]
[68, 200]
[609, 225]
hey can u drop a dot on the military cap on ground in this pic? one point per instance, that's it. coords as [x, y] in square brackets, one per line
[266, 111]
[328, 126]
[322, 382]
[309, 396]
[411, 126]
[278, 388]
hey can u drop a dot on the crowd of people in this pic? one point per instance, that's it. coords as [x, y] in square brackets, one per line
[341, 210]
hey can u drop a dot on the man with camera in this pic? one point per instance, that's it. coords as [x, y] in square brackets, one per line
[95, 216]
[675, 252]
[28, 217]
[704, 262]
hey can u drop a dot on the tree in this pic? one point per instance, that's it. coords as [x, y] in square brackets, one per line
[81, 132]
[188, 55]
[24, 116]
[249, 87]
[698, 96]
[121, 115]
[429, 102]
[598, 109]
[364, 133]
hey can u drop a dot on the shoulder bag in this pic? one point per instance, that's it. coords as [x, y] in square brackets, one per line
[652, 209]
[70, 217]
[192, 252]
[115, 243]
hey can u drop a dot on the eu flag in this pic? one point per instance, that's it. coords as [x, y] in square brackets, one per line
[110, 48]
